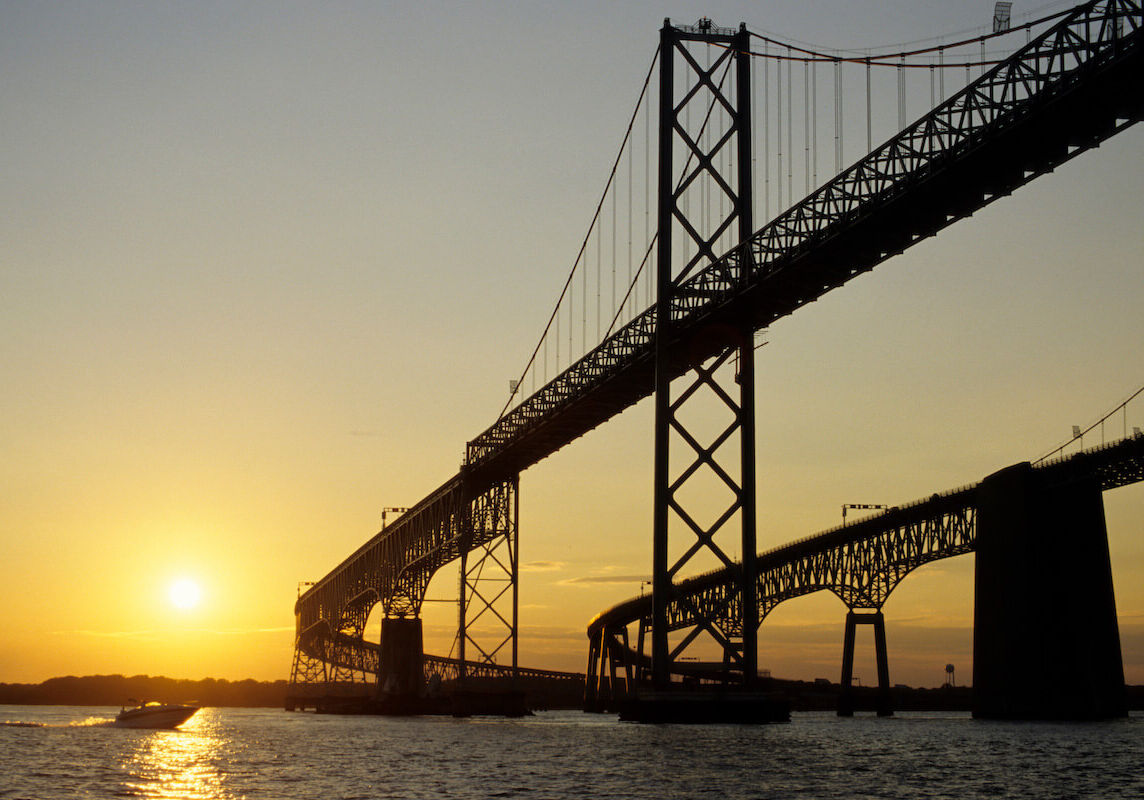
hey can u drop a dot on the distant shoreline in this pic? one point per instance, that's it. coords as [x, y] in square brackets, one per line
[115, 690]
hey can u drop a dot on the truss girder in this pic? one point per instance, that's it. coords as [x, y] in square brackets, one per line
[393, 568]
[1065, 92]
[450, 669]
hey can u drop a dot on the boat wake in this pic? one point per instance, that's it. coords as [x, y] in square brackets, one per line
[90, 722]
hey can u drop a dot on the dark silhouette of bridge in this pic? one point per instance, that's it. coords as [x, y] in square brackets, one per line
[1067, 90]
[863, 562]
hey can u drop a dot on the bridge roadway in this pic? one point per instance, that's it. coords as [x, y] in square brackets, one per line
[861, 562]
[1065, 92]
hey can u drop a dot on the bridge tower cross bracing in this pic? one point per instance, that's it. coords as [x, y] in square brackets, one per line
[717, 158]
[489, 567]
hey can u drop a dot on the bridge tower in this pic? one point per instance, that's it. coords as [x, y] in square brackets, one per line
[705, 121]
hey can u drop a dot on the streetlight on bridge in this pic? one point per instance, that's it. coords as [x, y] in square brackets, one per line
[846, 506]
[387, 510]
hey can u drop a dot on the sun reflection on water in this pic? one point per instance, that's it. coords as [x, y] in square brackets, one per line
[182, 764]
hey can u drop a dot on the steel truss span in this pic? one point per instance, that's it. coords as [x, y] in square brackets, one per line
[393, 569]
[1063, 93]
[862, 562]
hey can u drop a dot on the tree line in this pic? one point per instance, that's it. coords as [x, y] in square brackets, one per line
[116, 690]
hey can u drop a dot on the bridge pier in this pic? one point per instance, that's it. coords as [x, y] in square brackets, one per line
[1046, 644]
[609, 683]
[846, 698]
[402, 664]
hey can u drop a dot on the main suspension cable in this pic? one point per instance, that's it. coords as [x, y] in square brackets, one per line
[584, 244]
[892, 59]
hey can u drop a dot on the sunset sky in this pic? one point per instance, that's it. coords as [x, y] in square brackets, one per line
[266, 267]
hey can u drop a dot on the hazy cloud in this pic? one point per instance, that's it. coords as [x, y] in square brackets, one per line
[597, 579]
[542, 566]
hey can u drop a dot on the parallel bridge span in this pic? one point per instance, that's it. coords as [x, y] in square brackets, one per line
[864, 561]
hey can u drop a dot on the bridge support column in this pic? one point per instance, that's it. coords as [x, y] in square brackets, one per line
[1046, 644]
[487, 626]
[592, 677]
[402, 665]
[885, 706]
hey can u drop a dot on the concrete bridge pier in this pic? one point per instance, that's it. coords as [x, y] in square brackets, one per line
[846, 698]
[401, 673]
[1046, 644]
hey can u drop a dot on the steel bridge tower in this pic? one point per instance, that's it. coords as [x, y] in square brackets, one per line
[707, 122]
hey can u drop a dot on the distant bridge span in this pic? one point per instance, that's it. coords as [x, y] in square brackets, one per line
[862, 562]
[1065, 92]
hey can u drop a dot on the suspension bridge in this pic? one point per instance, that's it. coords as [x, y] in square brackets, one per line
[681, 327]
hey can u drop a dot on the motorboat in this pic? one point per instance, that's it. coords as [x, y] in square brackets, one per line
[154, 715]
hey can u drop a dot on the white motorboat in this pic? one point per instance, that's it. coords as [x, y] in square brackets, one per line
[154, 715]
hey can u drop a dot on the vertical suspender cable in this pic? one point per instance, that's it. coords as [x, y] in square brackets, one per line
[941, 74]
[806, 127]
[901, 93]
[571, 316]
[754, 131]
[837, 117]
[613, 309]
[790, 131]
[599, 283]
[779, 132]
[766, 133]
[647, 196]
[869, 113]
[814, 123]
[583, 311]
[630, 186]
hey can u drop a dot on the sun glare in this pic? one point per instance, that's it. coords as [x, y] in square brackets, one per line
[185, 593]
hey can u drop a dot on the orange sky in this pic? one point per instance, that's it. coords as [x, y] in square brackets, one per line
[264, 274]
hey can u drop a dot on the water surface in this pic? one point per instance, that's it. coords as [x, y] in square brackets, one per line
[65, 752]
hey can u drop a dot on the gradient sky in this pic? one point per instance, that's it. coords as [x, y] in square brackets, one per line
[266, 267]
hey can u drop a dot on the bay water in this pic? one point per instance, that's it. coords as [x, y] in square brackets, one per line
[75, 752]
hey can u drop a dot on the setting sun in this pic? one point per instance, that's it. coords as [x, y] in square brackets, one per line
[185, 593]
